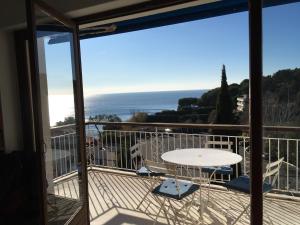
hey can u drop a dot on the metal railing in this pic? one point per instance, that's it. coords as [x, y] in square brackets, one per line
[126, 149]
[64, 154]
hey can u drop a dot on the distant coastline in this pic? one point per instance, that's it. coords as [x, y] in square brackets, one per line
[145, 92]
[124, 105]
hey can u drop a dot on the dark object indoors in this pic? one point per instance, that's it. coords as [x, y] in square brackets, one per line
[17, 194]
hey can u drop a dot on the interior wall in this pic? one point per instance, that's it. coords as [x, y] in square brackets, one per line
[9, 93]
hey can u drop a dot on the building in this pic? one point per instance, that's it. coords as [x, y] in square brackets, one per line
[242, 103]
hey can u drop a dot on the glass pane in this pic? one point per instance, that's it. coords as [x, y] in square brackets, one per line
[62, 158]
[171, 74]
[281, 101]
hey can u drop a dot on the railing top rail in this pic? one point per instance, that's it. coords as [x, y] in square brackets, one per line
[244, 127]
[63, 126]
[174, 125]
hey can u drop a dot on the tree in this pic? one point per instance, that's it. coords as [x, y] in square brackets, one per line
[68, 120]
[140, 117]
[187, 103]
[224, 106]
[107, 118]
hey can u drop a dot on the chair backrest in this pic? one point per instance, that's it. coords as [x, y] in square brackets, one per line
[272, 170]
[224, 145]
[135, 151]
[161, 167]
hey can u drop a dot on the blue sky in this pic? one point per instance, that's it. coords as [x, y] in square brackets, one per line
[179, 57]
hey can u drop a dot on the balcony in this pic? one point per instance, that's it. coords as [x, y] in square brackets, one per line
[114, 196]
[115, 190]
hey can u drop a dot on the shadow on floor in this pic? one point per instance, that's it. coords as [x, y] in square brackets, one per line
[60, 209]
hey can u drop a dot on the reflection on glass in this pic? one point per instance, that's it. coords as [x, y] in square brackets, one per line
[62, 158]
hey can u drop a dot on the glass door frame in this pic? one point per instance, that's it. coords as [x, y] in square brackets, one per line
[81, 215]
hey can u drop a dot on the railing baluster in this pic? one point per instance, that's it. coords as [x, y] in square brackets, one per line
[168, 137]
[70, 155]
[200, 141]
[103, 149]
[156, 140]
[186, 141]
[60, 156]
[74, 151]
[244, 155]
[278, 156]
[269, 156]
[106, 148]
[174, 139]
[122, 150]
[125, 149]
[151, 149]
[162, 142]
[55, 156]
[297, 165]
[180, 141]
[146, 143]
[113, 161]
[116, 148]
[129, 147]
[141, 144]
[287, 166]
[193, 140]
[97, 162]
[236, 151]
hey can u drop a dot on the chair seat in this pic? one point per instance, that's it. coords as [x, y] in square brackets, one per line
[144, 171]
[242, 184]
[168, 188]
[223, 170]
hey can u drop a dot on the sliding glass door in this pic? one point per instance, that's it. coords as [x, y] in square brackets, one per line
[57, 92]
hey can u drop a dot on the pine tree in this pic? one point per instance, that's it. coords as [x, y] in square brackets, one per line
[224, 109]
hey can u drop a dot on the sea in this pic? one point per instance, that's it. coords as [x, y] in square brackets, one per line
[124, 105]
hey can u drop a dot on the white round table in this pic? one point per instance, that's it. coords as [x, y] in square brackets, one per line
[201, 157]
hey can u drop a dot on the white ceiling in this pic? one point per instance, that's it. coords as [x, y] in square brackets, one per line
[152, 12]
[13, 13]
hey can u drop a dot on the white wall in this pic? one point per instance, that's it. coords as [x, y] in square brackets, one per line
[9, 93]
[45, 113]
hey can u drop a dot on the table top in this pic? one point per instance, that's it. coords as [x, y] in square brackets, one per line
[201, 157]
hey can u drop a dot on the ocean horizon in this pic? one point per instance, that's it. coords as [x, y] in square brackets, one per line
[124, 105]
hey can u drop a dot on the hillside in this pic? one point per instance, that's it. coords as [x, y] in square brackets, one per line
[281, 101]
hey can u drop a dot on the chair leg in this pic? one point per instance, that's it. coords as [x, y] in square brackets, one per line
[245, 208]
[187, 208]
[173, 210]
[209, 185]
[141, 202]
[149, 187]
[162, 207]
[238, 218]
[155, 220]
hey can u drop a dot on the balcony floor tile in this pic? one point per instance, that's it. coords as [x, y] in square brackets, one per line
[114, 197]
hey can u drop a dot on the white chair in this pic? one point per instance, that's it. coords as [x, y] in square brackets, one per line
[223, 170]
[242, 184]
[224, 145]
[136, 155]
[220, 171]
